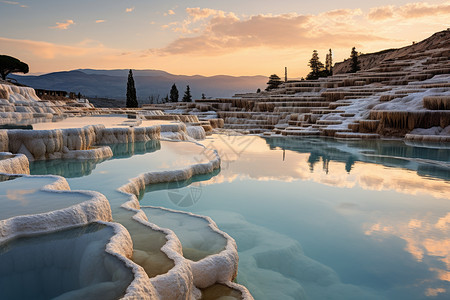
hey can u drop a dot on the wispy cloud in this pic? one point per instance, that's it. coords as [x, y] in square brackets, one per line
[170, 12]
[212, 32]
[129, 9]
[100, 21]
[14, 3]
[224, 31]
[409, 11]
[63, 25]
[44, 50]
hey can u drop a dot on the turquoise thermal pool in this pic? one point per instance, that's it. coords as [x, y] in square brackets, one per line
[313, 218]
[68, 264]
[325, 219]
[25, 196]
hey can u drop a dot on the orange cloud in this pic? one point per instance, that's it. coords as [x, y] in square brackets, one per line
[170, 12]
[45, 50]
[129, 9]
[227, 32]
[100, 21]
[197, 13]
[63, 25]
[408, 11]
[14, 3]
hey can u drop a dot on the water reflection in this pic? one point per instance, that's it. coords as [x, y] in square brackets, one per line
[432, 162]
[372, 217]
[73, 168]
[129, 149]
[175, 192]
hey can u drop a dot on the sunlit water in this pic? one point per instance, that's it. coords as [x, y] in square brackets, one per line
[313, 218]
[25, 195]
[372, 217]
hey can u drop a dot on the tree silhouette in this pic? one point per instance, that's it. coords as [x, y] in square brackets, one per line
[329, 63]
[355, 67]
[316, 66]
[274, 82]
[258, 90]
[174, 93]
[9, 64]
[187, 97]
[131, 91]
[203, 96]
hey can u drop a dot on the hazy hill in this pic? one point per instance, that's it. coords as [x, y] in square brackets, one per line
[112, 83]
[438, 40]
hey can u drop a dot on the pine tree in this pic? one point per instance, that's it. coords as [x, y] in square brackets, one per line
[329, 63]
[316, 66]
[165, 99]
[131, 91]
[174, 93]
[355, 67]
[274, 82]
[187, 97]
[258, 91]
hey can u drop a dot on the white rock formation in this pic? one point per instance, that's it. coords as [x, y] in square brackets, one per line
[95, 209]
[187, 275]
[14, 163]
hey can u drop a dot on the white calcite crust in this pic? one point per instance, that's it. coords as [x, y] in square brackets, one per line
[79, 143]
[221, 267]
[95, 209]
[121, 246]
[19, 103]
[184, 279]
[14, 163]
[128, 134]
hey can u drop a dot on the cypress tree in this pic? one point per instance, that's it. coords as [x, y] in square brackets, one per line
[187, 95]
[329, 63]
[131, 91]
[355, 67]
[174, 93]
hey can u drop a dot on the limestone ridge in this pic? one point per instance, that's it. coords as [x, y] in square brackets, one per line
[371, 60]
[401, 92]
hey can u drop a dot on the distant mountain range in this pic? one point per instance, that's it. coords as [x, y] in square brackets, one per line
[112, 83]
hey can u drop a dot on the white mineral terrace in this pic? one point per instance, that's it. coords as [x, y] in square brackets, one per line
[45, 204]
[158, 253]
[389, 100]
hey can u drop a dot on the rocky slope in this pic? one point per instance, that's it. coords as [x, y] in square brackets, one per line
[396, 93]
[371, 60]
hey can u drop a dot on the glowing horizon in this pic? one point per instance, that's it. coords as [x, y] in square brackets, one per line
[210, 37]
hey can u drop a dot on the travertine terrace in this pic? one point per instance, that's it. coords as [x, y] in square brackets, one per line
[397, 93]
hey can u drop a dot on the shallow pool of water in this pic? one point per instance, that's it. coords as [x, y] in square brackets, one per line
[71, 264]
[324, 219]
[313, 218]
[106, 176]
[25, 196]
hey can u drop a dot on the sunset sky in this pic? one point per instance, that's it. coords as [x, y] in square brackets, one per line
[208, 37]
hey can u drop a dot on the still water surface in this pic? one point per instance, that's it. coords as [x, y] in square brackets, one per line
[313, 218]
